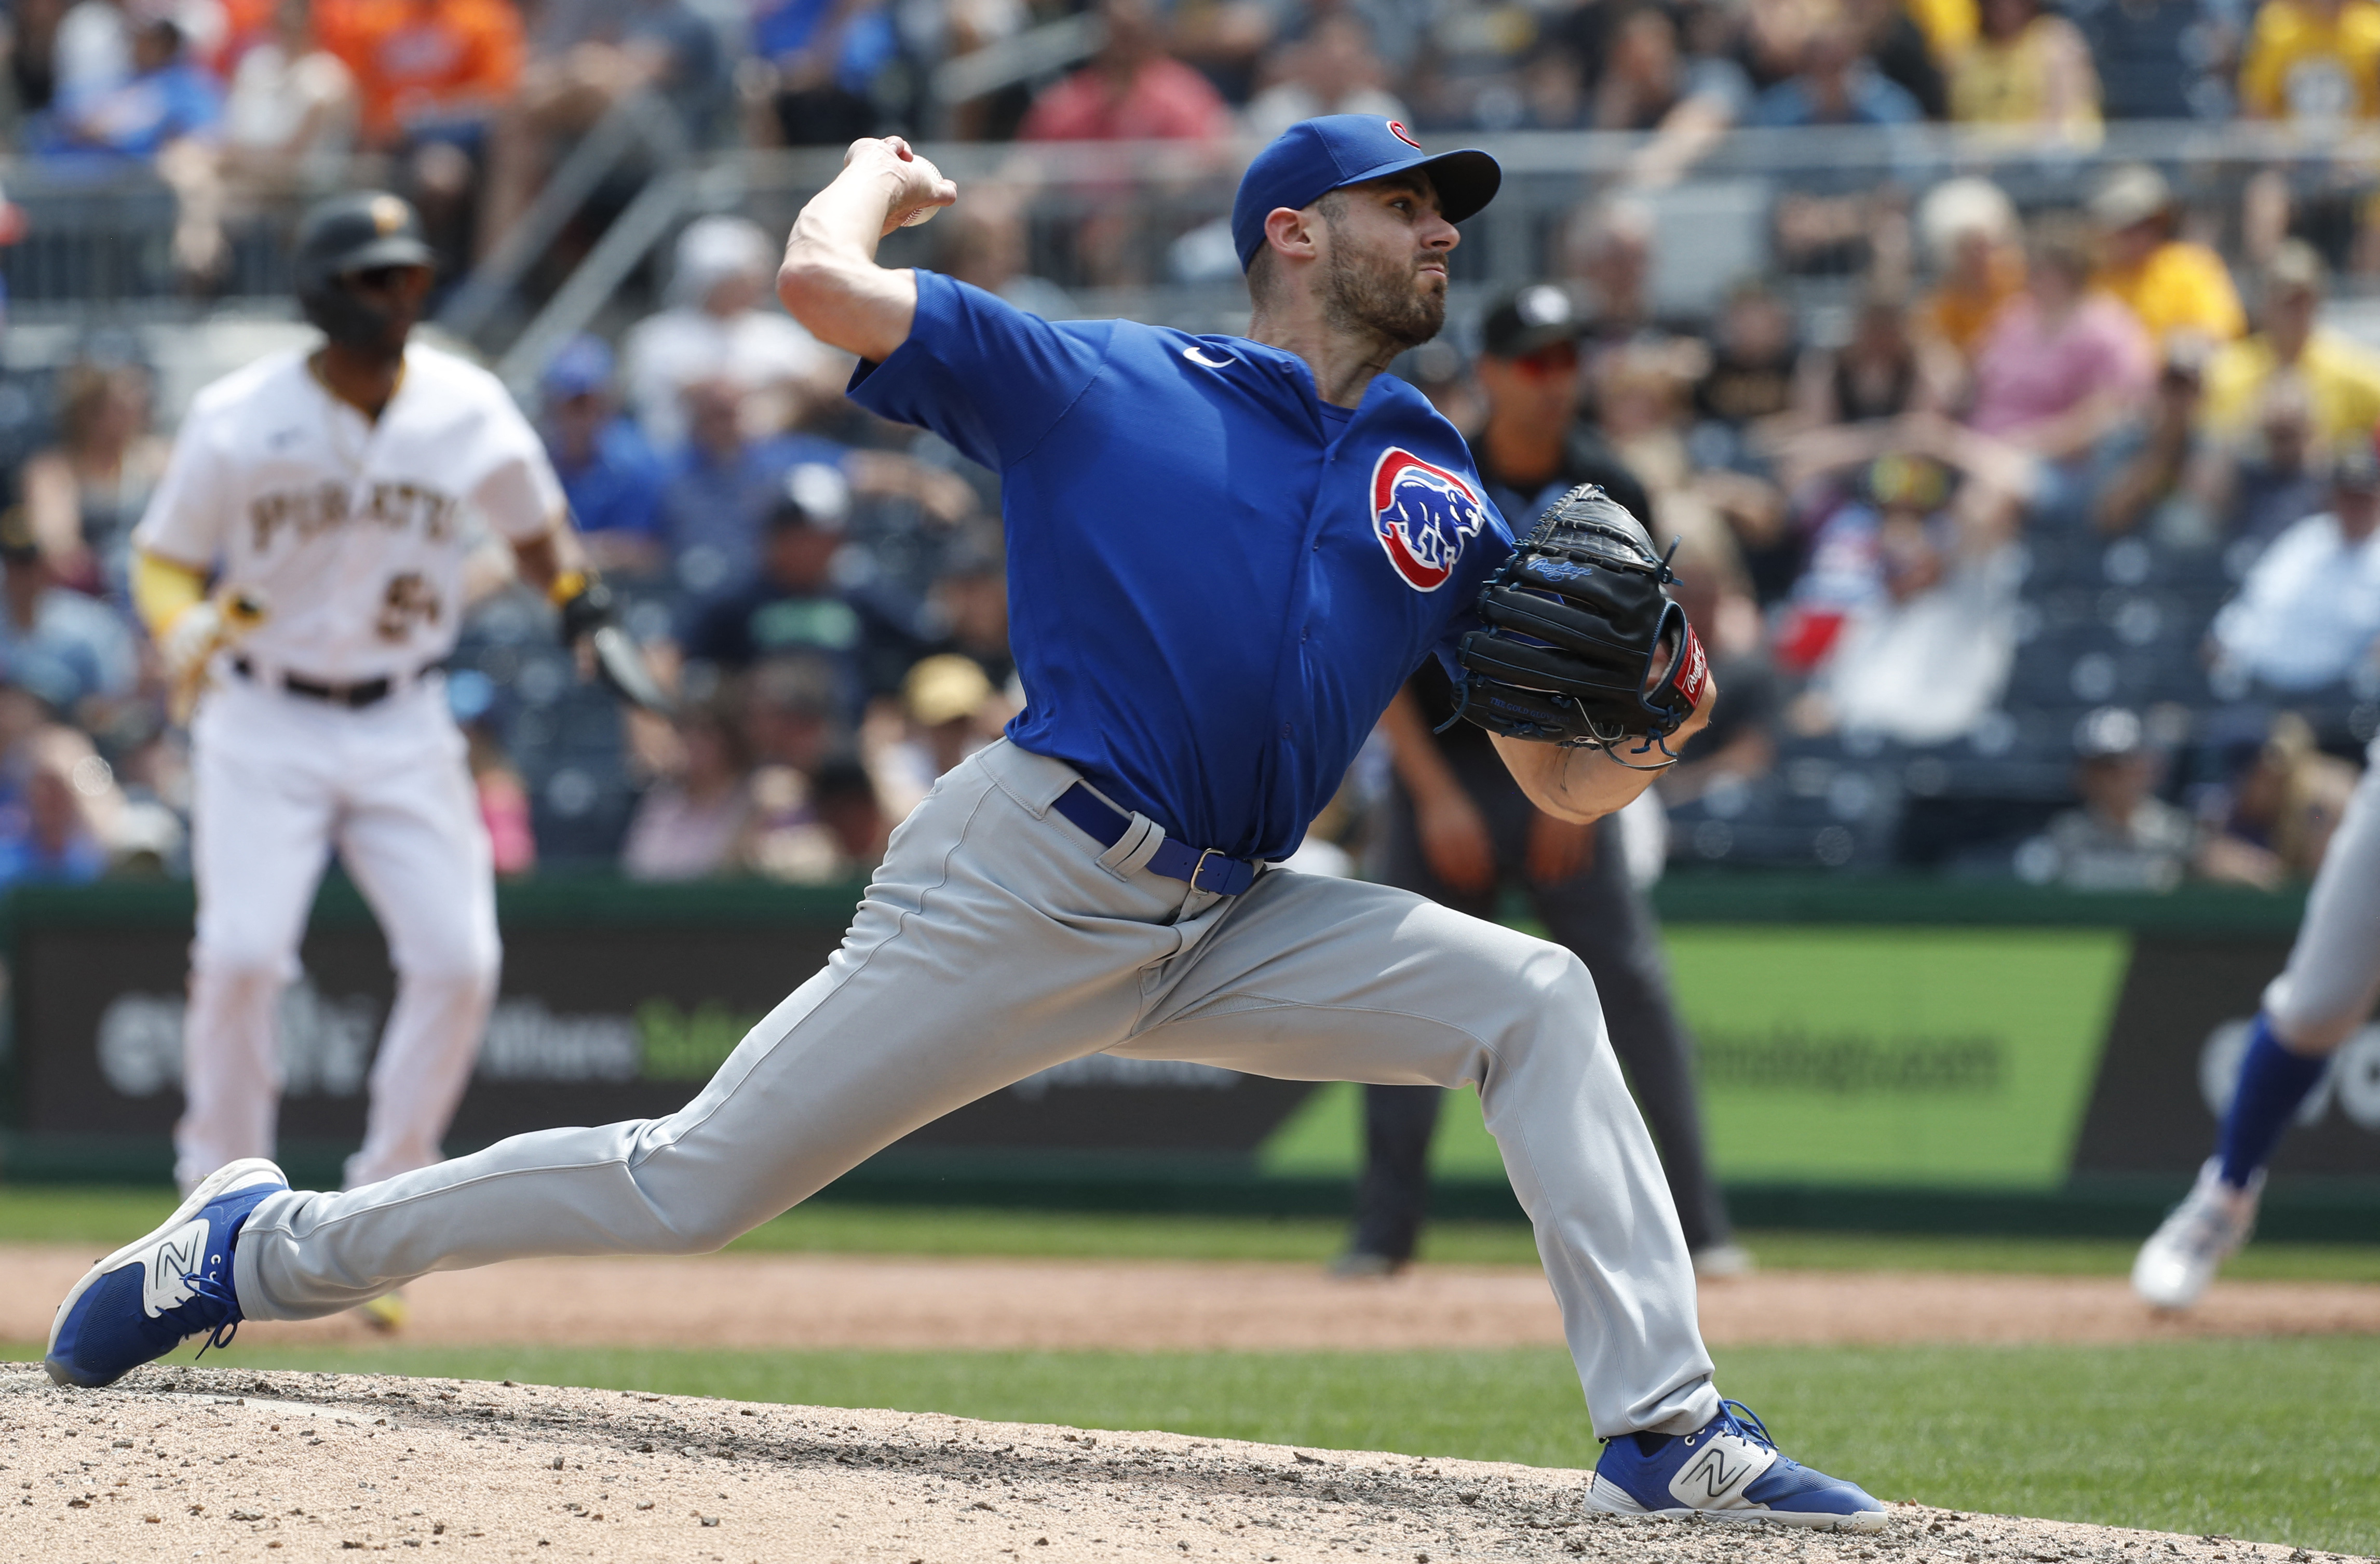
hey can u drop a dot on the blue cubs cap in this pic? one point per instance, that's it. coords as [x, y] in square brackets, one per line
[1313, 157]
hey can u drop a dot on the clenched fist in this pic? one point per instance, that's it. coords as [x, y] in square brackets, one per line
[918, 188]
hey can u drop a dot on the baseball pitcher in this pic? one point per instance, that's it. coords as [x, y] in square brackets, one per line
[1226, 554]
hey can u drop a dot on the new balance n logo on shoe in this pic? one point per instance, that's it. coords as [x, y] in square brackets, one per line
[165, 1278]
[1719, 1473]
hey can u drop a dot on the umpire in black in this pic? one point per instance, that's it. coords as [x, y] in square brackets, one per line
[1460, 830]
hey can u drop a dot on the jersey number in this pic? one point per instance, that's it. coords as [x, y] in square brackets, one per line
[409, 601]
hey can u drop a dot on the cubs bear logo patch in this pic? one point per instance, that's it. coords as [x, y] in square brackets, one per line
[1421, 514]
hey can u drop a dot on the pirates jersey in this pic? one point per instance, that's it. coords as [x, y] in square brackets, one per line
[353, 529]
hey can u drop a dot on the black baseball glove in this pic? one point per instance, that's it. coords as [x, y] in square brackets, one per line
[1584, 645]
[588, 614]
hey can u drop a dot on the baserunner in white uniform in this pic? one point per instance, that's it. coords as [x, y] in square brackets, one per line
[2326, 992]
[327, 493]
[1226, 554]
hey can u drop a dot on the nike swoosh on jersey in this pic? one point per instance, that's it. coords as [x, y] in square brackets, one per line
[1193, 354]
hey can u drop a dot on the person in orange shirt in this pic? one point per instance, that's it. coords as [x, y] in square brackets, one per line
[1969, 232]
[2171, 284]
[431, 75]
[428, 70]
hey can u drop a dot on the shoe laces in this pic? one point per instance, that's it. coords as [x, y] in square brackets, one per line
[1747, 1422]
[208, 1287]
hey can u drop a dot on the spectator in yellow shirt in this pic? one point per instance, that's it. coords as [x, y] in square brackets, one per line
[2342, 377]
[2171, 284]
[2027, 70]
[2317, 60]
[1948, 26]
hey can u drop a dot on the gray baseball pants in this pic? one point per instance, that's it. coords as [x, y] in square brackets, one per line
[998, 940]
[2333, 978]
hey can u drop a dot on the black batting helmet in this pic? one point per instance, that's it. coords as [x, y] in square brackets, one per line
[348, 234]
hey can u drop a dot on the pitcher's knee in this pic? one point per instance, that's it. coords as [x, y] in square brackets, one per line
[705, 1225]
[697, 1203]
[1556, 980]
[1548, 998]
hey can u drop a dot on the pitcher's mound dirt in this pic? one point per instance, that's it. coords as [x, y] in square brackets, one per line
[820, 1301]
[180, 1463]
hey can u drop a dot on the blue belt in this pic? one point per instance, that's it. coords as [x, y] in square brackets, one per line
[1206, 869]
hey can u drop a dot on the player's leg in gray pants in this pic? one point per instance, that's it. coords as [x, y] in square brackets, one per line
[995, 943]
[1598, 915]
[2333, 978]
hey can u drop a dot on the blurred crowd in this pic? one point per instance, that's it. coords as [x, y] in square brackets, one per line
[2029, 523]
[470, 102]
[2051, 556]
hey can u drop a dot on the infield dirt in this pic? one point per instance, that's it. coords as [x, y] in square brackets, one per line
[184, 1462]
[821, 1300]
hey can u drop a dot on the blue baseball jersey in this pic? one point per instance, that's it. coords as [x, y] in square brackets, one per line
[1216, 581]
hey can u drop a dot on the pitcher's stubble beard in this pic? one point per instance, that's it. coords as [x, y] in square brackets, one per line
[1378, 296]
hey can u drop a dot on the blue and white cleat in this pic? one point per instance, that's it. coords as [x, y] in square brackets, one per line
[1727, 1470]
[148, 1298]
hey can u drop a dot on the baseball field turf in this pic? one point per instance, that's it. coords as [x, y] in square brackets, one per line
[2274, 1441]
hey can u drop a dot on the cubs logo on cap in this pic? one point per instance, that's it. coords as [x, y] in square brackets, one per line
[1422, 513]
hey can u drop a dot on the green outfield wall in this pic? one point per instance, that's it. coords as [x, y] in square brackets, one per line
[1882, 1053]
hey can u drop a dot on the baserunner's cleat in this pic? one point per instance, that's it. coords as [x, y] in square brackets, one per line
[386, 1314]
[1727, 1470]
[2197, 1236]
[149, 1297]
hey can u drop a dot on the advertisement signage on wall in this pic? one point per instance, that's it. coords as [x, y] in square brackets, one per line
[1957, 1056]
[1846, 1054]
[593, 1026]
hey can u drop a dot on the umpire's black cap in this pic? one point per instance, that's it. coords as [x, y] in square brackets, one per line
[1528, 320]
[356, 232]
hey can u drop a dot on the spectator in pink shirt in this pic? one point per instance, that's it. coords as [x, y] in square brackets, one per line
[1132, 90]
[2059, 365]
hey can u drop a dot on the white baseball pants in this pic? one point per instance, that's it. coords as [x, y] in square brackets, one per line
[998, 940]
[279, 780]
[2333, 978]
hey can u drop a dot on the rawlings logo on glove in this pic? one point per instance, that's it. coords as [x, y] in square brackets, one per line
[1584, 645]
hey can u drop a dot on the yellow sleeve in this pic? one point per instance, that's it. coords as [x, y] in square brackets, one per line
[163, 589]
[2234, 376]
[2357, 371]
[2359, 50]
[2225, 316]
[2204, 298]
[1948, 26]
[2270, 49]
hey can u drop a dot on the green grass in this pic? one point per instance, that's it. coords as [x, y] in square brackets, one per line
[107, 1216]
[2273, 1441]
